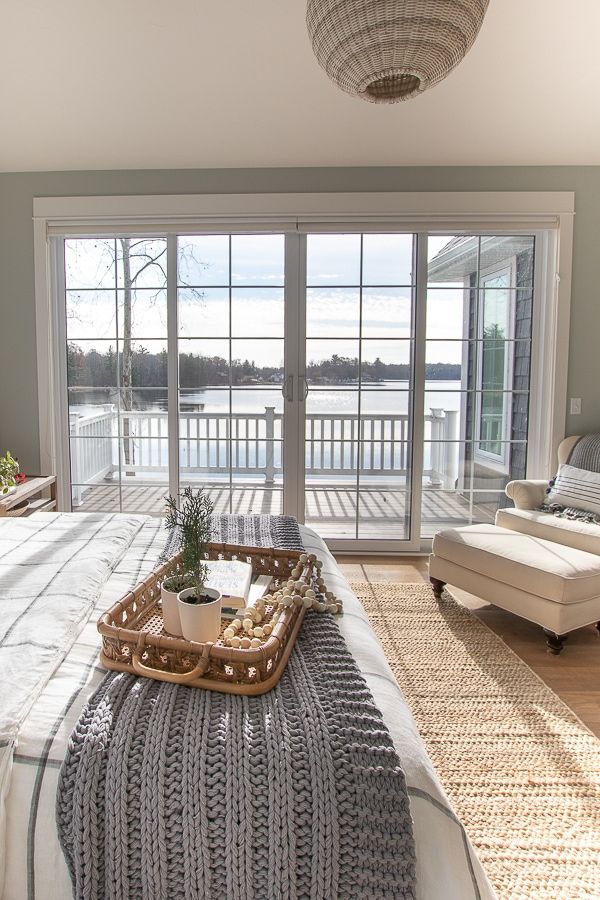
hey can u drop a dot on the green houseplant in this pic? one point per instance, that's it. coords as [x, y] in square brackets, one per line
[198, 607]
[9, 469]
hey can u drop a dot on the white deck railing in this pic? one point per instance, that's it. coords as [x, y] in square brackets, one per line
[103, 443]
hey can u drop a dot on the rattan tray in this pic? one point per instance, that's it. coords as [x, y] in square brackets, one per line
[133, 638]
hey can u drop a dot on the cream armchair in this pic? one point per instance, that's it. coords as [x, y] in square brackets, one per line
[527, 518]
[531, 563]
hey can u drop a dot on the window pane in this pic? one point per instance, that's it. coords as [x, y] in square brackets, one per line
[91, 314]
[331, 362]
[332, 312]
[446, 313]
[141, 262]
[203, 313]
[144, 312]
[257, 311]
[333, 259]
[386, 363]
[90, 263]
[257, 259]
[143, 364]
[256, 362]
[92, 364]
[387, 259]
[387, 312]
[203, 364]
[203, 260]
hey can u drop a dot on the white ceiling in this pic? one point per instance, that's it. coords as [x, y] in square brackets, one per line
[133, 84]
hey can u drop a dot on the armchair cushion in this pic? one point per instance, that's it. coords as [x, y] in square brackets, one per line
[575, 488]
[569, 532]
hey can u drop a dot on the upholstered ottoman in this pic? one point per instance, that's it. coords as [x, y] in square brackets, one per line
[555, 586]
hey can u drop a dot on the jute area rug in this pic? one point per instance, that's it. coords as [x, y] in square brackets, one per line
[521, 770]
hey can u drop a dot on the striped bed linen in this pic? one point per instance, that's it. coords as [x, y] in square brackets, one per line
[447, 867]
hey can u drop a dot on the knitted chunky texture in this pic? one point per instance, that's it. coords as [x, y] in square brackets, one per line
[175, 792]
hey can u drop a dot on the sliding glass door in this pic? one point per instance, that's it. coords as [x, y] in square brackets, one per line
[116, 372]
[230, 308]
[478, 353]
[360, 342]
[330, 375]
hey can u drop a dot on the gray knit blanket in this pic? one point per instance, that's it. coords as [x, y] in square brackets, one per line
[175, 792]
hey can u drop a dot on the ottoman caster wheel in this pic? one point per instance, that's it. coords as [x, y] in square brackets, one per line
[554, 641]
[438, 588]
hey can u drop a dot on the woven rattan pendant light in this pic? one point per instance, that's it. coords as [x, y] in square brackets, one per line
[385, 51]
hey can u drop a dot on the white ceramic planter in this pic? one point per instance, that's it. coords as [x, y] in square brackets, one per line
[200, 622]
[170, 611]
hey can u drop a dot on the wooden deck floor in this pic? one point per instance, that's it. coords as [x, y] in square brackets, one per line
[331, 510]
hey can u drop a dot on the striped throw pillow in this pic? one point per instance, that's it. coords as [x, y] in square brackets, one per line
[577, 488]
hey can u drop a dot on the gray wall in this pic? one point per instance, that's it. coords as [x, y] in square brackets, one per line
[18, 374]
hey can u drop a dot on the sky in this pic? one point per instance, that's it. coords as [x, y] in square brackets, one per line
[334, 266]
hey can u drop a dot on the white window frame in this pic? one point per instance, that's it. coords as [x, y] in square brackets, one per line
[548, 215]
[498, 463]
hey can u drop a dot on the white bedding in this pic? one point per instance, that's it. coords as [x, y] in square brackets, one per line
[52, 570]
[447, 868]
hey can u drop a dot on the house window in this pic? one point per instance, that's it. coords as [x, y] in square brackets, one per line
[495, 364]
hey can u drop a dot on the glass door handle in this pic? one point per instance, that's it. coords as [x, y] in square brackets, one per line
[287, 388]
[303, 378]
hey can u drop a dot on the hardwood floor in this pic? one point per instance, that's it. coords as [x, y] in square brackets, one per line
[574, 675]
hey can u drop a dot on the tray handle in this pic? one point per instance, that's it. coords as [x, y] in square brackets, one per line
[178, 678]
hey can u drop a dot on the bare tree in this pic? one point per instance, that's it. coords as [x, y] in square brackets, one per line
[131, 251]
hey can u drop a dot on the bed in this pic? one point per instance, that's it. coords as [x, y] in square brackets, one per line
[31, 861]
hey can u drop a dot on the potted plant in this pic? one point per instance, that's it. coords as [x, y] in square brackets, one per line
[199, 606]
[9, 469]
[169, 595]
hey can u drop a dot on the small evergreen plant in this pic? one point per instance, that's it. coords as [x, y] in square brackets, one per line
[190, 521]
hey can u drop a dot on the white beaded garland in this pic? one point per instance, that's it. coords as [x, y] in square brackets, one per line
[304, 587]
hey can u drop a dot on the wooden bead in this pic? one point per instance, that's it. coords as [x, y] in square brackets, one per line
[245, 643]
[312, 558]
[248, 624]
[235, 642]
[303, 558]
[329, 595]
[229, 633]
[307, 602]
[310, 593]
[332, 607]
[236, 624]
[255, 643]
[287, 601]
[297, 599]
[267, 629]
[258, 631]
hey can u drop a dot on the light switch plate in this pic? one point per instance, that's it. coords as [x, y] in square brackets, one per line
[575, 406]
